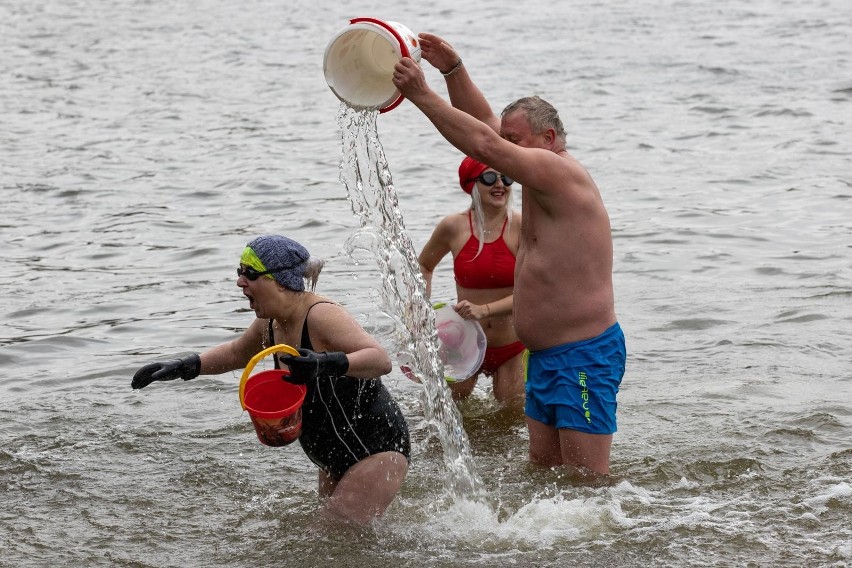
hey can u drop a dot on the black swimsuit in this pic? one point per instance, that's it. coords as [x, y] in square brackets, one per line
[344, 419]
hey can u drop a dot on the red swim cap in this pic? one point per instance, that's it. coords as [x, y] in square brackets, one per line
[469, 170]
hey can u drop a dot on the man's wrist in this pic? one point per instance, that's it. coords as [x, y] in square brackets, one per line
[452, 70]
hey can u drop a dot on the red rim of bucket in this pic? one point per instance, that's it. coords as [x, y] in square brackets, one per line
[402, 45]
[277, 413]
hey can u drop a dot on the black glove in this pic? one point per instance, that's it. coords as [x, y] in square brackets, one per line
[185, 368]
[312, 365]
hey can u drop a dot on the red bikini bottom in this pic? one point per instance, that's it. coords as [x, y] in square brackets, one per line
[496, 356]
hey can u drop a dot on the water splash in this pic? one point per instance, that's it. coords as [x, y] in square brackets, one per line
[365, 173]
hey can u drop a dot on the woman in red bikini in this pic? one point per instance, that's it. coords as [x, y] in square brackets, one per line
[484, 242]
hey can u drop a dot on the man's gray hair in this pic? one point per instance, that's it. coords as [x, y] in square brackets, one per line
[540, 115]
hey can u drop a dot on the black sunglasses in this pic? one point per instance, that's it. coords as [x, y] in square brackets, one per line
[252, 274]
[490, 178]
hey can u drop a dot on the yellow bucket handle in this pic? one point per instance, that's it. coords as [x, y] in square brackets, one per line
[254, 360]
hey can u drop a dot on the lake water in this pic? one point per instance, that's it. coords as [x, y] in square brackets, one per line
[142, 144]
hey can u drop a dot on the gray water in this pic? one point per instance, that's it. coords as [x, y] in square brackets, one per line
[143, 144]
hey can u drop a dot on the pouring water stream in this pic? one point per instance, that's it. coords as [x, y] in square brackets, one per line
[365, 173]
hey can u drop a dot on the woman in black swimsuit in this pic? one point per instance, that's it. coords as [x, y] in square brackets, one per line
[352, 429]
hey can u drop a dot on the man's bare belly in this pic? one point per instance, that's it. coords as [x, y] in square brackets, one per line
[545, 319]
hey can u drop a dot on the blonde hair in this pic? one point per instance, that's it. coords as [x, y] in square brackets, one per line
[479, 218]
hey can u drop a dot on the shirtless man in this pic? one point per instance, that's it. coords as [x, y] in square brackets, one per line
[563, 297]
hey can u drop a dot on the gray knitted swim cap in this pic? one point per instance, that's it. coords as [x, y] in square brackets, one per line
[277, 252]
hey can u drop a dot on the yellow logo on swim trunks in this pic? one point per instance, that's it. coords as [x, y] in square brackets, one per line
[584, 394]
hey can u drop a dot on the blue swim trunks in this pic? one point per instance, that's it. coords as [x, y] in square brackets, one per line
[574, 385]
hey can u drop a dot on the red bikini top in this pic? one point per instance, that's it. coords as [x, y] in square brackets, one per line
[493, 268]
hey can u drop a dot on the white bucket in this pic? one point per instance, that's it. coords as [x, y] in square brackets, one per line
[359, 61]
[461, 346]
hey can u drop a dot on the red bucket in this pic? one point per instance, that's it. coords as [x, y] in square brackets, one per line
[275, 407]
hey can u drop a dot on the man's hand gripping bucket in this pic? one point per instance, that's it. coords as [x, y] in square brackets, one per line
[274, 405]
[359, 61]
